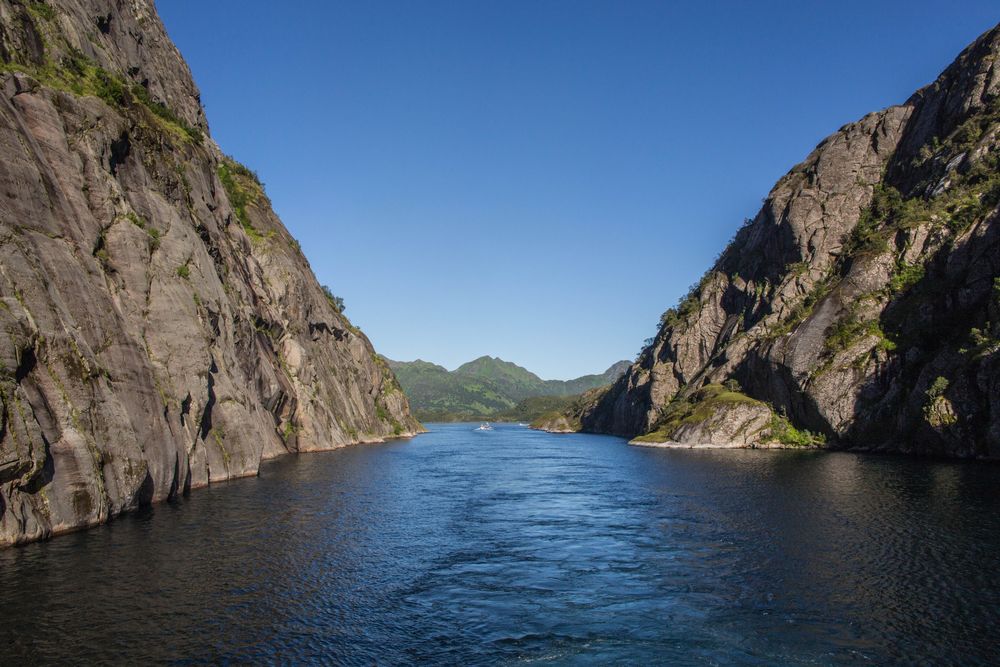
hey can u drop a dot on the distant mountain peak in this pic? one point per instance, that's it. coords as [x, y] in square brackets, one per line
[484, 386]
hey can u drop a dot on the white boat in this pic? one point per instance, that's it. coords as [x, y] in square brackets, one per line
[485, 427]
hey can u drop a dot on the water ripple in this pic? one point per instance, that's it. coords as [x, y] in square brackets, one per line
[521, 547]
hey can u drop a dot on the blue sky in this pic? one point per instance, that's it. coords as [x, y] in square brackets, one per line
[538, 180]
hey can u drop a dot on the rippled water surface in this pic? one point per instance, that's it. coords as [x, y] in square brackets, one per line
[514, 546]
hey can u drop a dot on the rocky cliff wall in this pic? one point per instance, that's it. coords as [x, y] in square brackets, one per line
[162, 330]
[863, 300]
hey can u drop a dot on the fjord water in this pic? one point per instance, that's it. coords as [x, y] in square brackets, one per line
[466, 547]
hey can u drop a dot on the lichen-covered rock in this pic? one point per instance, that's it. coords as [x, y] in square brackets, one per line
[735, 425]
[871, 270]
[715, 416]
[162, 329]
[727, 427]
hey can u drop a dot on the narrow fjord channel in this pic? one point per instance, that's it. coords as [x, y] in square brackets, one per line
[461, 547]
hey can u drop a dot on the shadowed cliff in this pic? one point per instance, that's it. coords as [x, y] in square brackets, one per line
[162, 328]
[862, 303]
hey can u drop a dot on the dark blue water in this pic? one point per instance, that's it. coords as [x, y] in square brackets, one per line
[516, 546]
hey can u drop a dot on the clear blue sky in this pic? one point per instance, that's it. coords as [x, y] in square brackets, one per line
[538, 179]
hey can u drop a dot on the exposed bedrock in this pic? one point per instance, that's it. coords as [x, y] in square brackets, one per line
[163, 329]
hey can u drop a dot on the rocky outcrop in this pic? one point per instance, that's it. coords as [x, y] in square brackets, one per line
[163, 330]
[733, 426]
[555, 422]
[717, 417]
[863, 300]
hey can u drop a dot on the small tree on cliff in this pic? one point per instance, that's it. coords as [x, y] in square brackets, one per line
[335, 301]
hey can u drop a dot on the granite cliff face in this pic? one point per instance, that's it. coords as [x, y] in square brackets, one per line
[162, 330]
[862, 303]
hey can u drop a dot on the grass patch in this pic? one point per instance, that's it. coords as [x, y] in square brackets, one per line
[153, 233]
[384, 416]
[781, 430]
[905, 277]
[869, 236]
[937, 409]
[154, 237]
[969, 196]
[986, 340]
[290, 430]
[42, 10]
[75, 73]
[243, 189]
[390, 383]
[803, 309]
[843, 333]
[142, 95]
[694, 409]
[136, 220]
[673, 317]
[704, 403]
[850, 329]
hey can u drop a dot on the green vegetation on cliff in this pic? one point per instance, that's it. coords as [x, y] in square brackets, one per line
[869, 271]
[243, 188]
[694, 409]
[135, 315]
[75, 73]
[709, 401]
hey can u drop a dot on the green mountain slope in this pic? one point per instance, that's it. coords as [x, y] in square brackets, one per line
[483, 388]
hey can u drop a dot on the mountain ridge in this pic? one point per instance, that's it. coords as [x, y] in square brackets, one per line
[860, 306]
[484, 387]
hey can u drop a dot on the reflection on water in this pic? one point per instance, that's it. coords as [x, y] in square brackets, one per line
[514, 545]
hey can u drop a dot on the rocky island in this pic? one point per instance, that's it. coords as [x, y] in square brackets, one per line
[162, 329]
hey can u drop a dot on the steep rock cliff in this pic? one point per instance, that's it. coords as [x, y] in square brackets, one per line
[863, 300]
[162, 329]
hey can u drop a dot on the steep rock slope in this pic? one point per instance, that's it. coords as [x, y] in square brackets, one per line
[162, 329]
[863, 300]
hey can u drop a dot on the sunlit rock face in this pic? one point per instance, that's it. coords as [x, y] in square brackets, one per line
[162, 330]
[863, 300]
